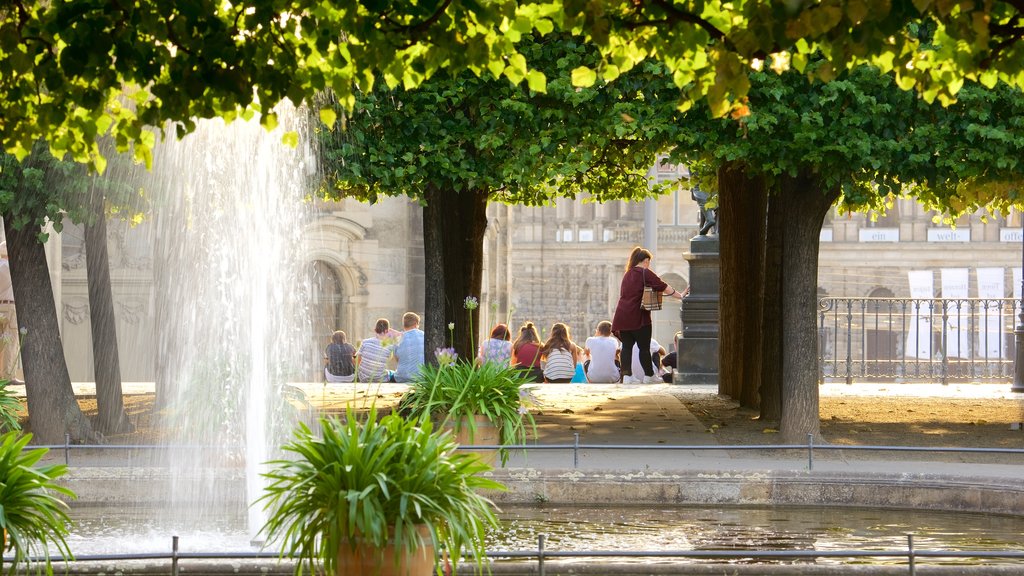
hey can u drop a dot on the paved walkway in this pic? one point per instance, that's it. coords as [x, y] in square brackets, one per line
[635, 424]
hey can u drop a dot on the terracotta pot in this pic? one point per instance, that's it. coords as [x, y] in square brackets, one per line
[373, 561]
[487, 434]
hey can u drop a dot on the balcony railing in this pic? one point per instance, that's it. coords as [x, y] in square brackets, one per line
[907, 339]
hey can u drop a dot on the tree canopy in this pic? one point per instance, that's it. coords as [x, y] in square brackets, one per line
[457, 143]
[72, 71]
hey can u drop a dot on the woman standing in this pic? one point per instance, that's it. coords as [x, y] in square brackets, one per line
[632, 323]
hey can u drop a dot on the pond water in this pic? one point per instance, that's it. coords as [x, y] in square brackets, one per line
[133, 530]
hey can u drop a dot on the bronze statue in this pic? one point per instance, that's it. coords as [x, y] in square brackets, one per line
[707, 218]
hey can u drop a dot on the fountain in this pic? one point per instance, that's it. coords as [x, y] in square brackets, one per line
[231, 299]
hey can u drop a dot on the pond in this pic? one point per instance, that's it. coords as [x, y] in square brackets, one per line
[592, 528]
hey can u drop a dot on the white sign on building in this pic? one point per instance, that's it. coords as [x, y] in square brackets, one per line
[1010, 235]
[948, 235]
[879, 234]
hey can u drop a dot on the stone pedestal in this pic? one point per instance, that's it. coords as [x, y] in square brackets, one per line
[698, 346]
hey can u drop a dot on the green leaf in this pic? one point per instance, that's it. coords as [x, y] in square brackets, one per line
[583, 77]
[537, 81]
[290, 139]
[328, 117]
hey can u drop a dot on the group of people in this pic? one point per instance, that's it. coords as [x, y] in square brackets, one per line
[344, 363]
[557, 359]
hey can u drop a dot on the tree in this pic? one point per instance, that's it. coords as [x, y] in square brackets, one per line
[66, 66]
[457, 143]
[25, 202]
[859, 141]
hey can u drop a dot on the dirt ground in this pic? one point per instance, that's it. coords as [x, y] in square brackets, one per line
[849, 420]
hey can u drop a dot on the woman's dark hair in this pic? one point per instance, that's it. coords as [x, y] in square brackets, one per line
[383, 326]
[638, 255]
[527, 334]
[500, 332]
[559, 338]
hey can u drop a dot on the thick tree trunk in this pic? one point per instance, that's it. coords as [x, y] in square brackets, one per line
[742, 212]
[453, 237]
[107, 364]
[52, 408]
[805, 205]
[771, 317]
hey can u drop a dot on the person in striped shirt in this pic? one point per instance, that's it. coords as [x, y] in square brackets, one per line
[560, 355]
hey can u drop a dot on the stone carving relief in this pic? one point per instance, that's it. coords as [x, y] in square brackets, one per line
[133, 312]
[76, 313]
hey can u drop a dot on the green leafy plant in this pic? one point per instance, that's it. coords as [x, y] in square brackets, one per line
[9, 407]
[32, 516]
[376, 483]
[454, 393]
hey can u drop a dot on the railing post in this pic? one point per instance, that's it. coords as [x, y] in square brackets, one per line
[67, 448]
[910, 554]
[945, 342]
[540, 554]
[849, 341]
[174, 556]
[810, 452]
[576, 450]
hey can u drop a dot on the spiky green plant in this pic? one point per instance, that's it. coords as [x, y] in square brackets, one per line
[375, 482]
[32, 516]
[9, 406]
[457, 392]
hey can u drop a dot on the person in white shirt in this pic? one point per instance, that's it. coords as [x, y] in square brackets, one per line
[602, 349]
[656, 349]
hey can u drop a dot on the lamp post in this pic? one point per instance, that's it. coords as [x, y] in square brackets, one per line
[1018, 332]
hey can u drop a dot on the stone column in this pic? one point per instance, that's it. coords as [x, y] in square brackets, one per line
[698, 346]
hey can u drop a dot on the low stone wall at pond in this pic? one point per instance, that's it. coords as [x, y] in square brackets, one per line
[141, 486]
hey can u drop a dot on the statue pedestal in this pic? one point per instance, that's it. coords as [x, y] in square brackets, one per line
[698, 346]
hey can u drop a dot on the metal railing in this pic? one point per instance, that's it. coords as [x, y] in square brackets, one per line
[576, 448]
[913, 339]
[534, 561]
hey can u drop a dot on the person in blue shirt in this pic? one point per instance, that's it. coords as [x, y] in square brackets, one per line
[410, 349]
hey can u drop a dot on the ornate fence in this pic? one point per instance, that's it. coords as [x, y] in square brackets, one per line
[909, 339]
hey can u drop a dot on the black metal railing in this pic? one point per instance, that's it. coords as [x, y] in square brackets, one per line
[534, 561]
[913, 339]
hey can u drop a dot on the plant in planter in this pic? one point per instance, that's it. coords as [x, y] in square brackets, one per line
[466, 396]
[375, 497]
[32, 517]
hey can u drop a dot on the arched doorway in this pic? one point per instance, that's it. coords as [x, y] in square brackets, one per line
[326, 307]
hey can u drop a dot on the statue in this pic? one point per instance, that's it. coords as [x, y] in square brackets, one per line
[707, 219]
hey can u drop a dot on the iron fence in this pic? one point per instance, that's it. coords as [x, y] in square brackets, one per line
[535, 561]
[915, 339]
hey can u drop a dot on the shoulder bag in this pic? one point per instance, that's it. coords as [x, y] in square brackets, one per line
[651, 299]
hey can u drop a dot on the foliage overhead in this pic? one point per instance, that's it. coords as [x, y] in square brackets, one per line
[73, 71]
[862, 134]
[517, 145]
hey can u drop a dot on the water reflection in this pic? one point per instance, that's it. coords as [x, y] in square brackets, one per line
[591, 528]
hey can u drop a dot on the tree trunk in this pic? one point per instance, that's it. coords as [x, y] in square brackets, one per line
[742, 209]
[52, 408]
[771, 317]
[107, 364]
[805, 205]
[453, 239]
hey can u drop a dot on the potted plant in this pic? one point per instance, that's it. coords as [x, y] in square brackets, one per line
[33, 516]
[485, 404]
[376, 497]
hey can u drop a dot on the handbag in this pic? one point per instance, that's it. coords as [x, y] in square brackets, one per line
[651, 299]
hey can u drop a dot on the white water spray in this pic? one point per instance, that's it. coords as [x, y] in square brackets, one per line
[231, 300]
